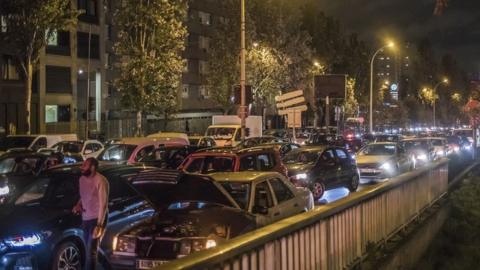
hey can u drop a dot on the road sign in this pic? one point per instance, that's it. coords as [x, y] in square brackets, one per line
[294, 119]
[290, 102]
[289, 95]
[331, 85]
[301, 108]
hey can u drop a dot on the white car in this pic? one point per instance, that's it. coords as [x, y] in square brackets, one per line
[269, 196]
[440, 147]
[87, 149]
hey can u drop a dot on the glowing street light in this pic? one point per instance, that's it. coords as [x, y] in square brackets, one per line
[388, 45]
[444, 81]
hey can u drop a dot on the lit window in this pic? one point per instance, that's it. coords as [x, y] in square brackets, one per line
[53, 38]
[388, 66]
[4, 24]
[57, 113]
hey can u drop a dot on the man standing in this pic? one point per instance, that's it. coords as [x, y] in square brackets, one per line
[93, 205]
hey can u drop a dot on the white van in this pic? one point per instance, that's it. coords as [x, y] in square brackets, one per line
[34, 142]
[226, 129]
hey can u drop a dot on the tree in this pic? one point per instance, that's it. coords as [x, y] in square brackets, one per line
[27, 25]
[151, 37]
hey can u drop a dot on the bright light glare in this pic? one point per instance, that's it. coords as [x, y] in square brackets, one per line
[4, 190]
[387, 167]
[301, 176]
[21, 241]
[422, 157]
[210, 243]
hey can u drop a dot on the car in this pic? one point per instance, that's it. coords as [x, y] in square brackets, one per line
[321, 168]
[86, 149]
[39, 231]
[278, 133]
[171, 136]
[440, 146]
[168, 157]
[201, 212]
[132, 150]
[321, 139]
[255, 141]
[202, 141]
[420, 149]
[32, 142]
[388, 137]
[455, 143]
[18, 169]
[377, 161]
[234, 160]
[282, 147]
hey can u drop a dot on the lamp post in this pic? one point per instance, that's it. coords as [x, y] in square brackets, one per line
[389, 45]
[445, 81]
[243, 99]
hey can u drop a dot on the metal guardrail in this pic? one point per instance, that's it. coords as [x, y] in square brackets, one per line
[334, 236]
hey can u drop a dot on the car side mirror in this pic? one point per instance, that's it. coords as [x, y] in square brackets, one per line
[258, 209]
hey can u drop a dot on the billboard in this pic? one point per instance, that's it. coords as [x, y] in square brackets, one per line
[331, 85]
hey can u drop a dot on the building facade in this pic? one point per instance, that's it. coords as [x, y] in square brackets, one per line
[60, 83]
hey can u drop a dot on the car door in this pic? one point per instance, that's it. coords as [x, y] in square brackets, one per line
[263, 205]
[286, 202]
[329, 168]
[346, 166]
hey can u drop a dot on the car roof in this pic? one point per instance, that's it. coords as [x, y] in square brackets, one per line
[15, 154]
[232, 150]
[242, 176]
[311, 148]
[223, 126]
[383, 143]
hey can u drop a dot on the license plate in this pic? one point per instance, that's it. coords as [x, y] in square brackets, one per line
[148, 264]
[367, 170]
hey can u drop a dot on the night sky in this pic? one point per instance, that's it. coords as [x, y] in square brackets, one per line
[457, 31]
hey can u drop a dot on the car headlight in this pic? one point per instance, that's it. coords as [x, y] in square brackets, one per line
[441, 153]
[456, 148]
[300, 176]
[124, 244]
[24, 240]
[188, 246]
[387, 167]
[4, 191]
[422, 157]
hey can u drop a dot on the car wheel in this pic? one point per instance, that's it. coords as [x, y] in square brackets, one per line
[318, 189]
[353, 185]
[67, 257]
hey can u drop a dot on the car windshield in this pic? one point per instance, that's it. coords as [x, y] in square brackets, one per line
[16, 142]
[415, 144]
[69, 147]
[240, 192]
[7, 165]
[386, 138]
[378, 150]
[321, 139]
[221, 133]
[117, 152]
[304, 157]
[188, 189]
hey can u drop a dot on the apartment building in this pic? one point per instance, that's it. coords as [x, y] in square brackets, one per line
[60, 85]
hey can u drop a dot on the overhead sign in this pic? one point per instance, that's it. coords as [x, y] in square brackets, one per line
[291, 102]
[300, 108]
[289, 95]
[331, 85]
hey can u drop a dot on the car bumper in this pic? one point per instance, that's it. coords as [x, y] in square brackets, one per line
[368, 175]
[20, 260]
[126, 262]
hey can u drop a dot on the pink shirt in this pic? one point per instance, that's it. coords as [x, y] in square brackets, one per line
[94, 197]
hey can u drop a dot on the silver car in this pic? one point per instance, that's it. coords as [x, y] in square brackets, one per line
[382, 160]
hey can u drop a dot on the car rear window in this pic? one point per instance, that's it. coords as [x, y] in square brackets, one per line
[211, 164]
[240, 192]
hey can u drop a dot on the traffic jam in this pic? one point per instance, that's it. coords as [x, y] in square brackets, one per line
[172, 194]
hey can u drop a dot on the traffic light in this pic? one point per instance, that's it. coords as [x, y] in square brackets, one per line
[237, 97]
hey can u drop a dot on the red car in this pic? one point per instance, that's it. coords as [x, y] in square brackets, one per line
[234, 160]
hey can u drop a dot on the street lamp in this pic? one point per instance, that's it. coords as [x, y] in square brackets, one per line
[389, 45]
[445, 81]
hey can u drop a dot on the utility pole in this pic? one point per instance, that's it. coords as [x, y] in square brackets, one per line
[88, 83]
[243, 98]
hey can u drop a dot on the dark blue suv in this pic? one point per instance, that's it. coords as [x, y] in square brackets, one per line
[39, 231]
